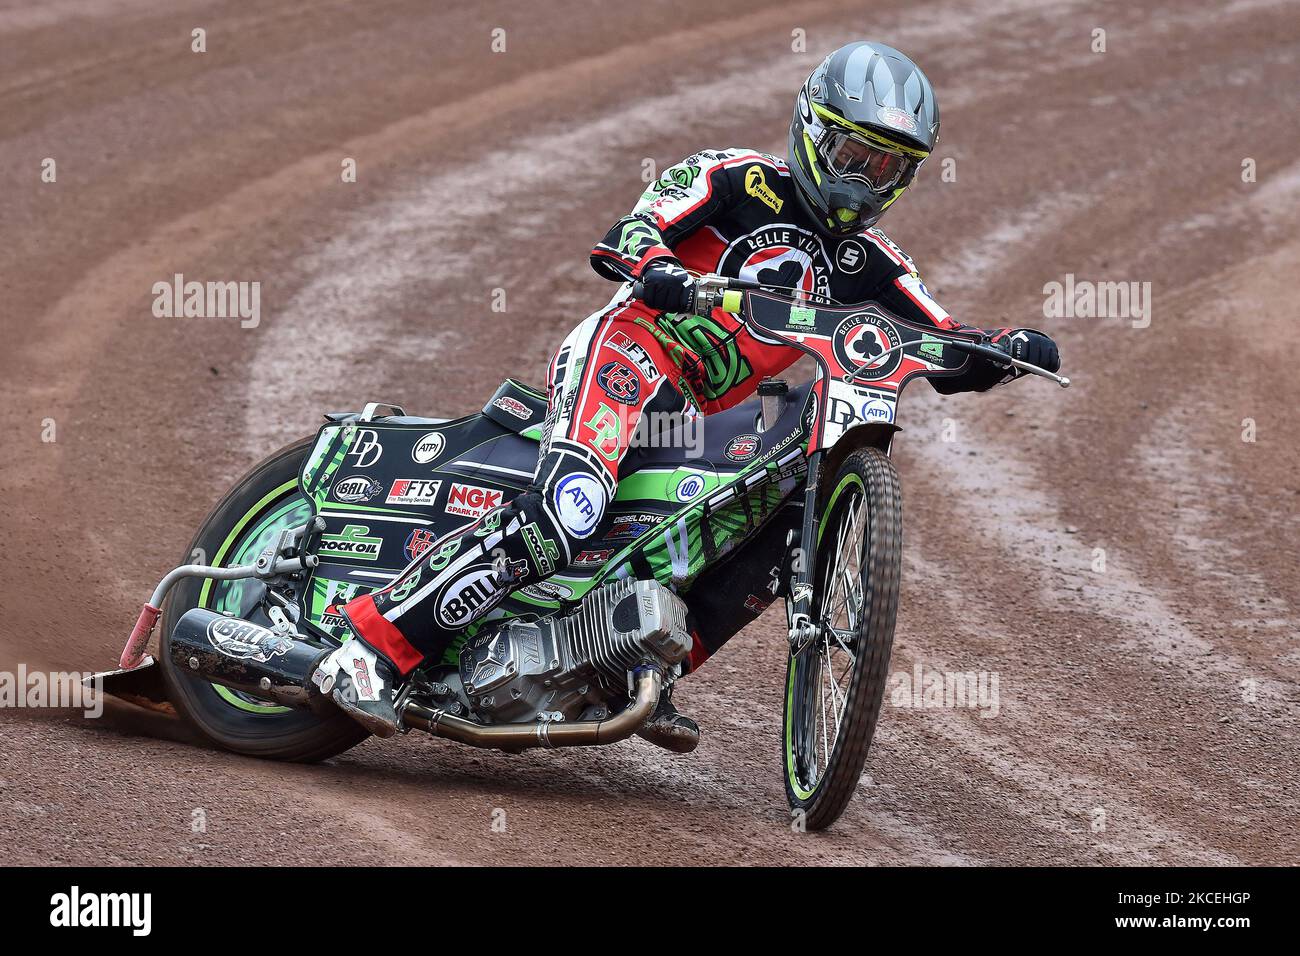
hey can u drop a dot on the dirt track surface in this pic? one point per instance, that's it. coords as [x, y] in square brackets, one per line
[1147, 712]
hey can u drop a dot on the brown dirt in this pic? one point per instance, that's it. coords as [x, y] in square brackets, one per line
[1157, 696]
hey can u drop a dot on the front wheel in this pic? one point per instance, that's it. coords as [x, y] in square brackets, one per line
[836, 683]
[261, 505]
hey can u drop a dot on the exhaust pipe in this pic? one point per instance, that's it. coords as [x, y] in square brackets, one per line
[245, 656]
[649, 681]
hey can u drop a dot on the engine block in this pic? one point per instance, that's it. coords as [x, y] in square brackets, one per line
[571, 667]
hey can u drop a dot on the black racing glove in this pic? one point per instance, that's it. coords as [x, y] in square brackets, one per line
[667, 287]
[1030, 345]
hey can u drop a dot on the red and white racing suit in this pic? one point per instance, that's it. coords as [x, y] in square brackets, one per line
[732, 212]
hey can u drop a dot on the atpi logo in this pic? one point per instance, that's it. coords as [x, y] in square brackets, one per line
[580, 500]
[427, 448]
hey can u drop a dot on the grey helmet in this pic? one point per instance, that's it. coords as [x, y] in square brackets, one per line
[863, 124]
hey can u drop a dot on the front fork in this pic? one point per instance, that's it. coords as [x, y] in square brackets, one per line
[802, 630]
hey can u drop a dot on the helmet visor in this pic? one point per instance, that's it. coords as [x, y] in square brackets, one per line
[851, 157]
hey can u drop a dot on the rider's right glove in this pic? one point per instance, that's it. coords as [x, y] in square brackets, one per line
[1030, 345]
[667, 287]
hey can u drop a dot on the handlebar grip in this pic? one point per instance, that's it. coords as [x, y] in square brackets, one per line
[732, 301]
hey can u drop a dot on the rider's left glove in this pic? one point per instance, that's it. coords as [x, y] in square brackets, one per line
[1032, 346]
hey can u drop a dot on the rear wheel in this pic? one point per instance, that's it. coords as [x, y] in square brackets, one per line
[835, 684]
[251, 516]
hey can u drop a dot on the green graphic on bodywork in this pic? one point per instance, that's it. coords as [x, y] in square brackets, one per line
[679, 548]
[658, 484]
[800, 315]
[324, 461]
[931, 347]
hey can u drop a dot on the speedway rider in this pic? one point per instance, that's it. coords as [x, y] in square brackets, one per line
[863, 123]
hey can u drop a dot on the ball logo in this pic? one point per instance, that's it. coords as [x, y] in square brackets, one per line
[428, 448]
[468, 596]
[246, 641]
[689, 487]
[580, 503]
[357, 488]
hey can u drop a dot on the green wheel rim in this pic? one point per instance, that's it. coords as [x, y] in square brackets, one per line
[258, 528]
[792, 775]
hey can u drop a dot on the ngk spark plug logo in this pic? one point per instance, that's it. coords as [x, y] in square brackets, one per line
[471, 501]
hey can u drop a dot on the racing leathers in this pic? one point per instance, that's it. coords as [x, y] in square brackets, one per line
[732, 212]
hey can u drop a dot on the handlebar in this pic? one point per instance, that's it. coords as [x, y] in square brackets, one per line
[725, 293]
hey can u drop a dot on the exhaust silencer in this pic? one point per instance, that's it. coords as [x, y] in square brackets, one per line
[245, 656]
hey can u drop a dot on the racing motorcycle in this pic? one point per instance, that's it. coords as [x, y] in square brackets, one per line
[799, 480]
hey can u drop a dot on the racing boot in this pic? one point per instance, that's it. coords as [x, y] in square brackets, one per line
[361, 683]
[669, 729]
